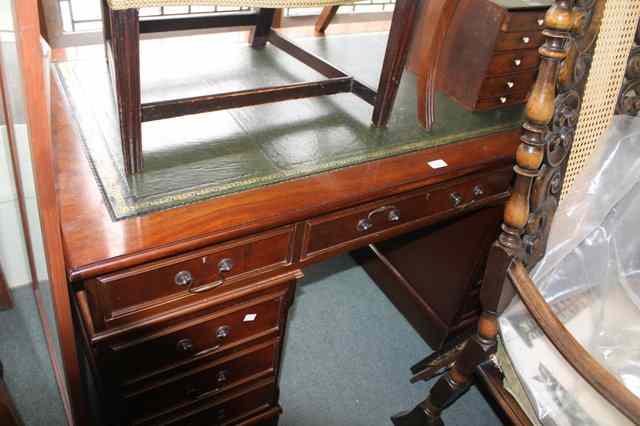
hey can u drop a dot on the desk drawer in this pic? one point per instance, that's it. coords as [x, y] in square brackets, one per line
[362, 225]
[203, 337]
[157, 287]
[234, 408]
[205, 382]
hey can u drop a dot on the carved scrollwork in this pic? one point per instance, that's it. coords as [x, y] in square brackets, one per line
[565, 120]
[629, 99]
[559, 134]
[545, 194]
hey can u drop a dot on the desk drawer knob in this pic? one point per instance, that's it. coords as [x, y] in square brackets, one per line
[517, 62]
[394, 215]
[364, 225]
[526, 40]
[478, 191]
[540, 22]
[184, 346]
[503, 99]
[183, 278]
[456, 199]
[511, 84]
[222, 376]
[225, 265]
[223, 332]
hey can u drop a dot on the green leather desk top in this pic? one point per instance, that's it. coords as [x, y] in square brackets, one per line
[208, 155]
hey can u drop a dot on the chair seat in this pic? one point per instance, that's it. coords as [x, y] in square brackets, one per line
[138, 4]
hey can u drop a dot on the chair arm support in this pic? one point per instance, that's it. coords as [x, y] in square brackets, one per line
[605, 383]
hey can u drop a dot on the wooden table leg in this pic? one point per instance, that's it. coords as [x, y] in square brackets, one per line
[125, 63]
[325, 18]
[400, 35]
[260, 33]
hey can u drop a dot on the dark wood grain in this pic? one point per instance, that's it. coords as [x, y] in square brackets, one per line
[345, 228]
[395, 59]
[426, 53]
[186, 106]
[260, 32]
[123, 52]
[244, 407]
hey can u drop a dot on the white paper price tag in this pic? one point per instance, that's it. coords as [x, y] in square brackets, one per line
[437, 164]
[250, 317]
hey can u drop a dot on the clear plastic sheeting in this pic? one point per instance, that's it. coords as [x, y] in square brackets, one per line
[591, 279]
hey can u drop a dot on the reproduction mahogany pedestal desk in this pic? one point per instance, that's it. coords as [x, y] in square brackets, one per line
[182, 311]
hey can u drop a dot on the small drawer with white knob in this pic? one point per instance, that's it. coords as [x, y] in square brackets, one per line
[153, 289]
[508, 84]
[512, 62]
[519, 40]
[517, 21]
[501, 100]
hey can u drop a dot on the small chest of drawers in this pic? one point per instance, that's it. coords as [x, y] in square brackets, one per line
[490, 58]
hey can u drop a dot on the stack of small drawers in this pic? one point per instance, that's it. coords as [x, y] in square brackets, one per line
[194, 339]
[491, 54]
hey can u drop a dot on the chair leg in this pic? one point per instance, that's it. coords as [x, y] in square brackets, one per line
[325, 18]
[125, 60]
[260, 33]
[402, 25]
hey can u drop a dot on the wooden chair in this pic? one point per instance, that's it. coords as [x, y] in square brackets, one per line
[122, 29]
[550, 124]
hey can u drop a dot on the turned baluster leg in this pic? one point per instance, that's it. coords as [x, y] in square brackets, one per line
[325, 18]
[260, 33]
[496, 289]
[125, 70]
[402, 26]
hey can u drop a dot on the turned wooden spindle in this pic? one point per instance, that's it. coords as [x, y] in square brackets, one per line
[530, 155]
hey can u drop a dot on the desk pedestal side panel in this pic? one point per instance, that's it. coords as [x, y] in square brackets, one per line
[433, 275]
